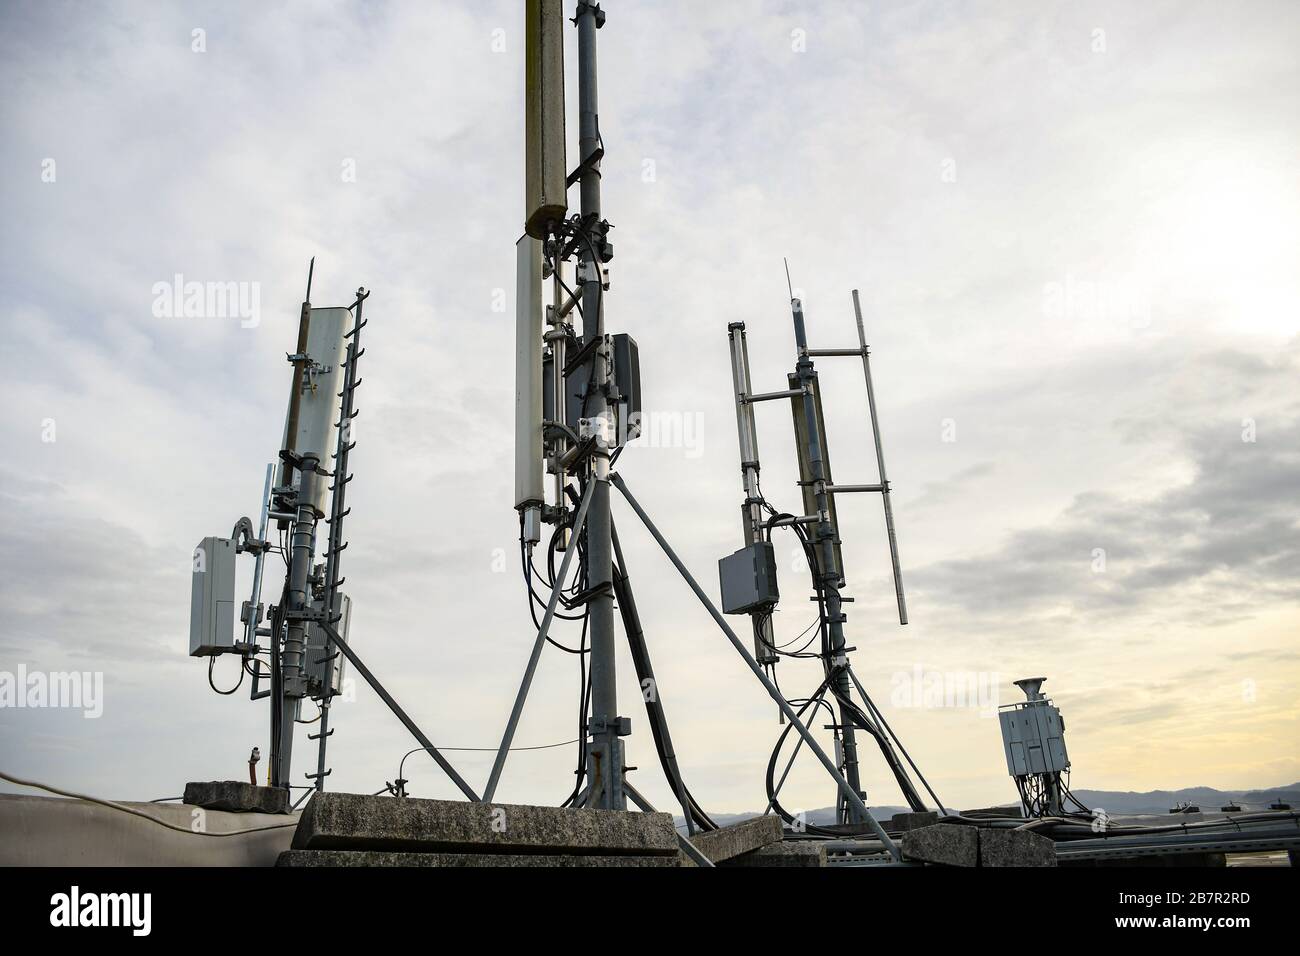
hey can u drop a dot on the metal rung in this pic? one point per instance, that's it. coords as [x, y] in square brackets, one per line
[596, 155]
[589, 595]
[804, 519]
[770, 396]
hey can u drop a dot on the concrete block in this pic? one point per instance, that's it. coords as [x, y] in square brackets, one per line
[237, 796]
[365, 858]
[727, 842]
[948, 844]
[789, 853]
[903, 822]
[1001, 847]
[351, 821]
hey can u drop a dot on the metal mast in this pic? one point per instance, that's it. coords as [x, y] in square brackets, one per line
[752, 507]
[605, 751]
[828, 569]
[818, 528]
[577, 402]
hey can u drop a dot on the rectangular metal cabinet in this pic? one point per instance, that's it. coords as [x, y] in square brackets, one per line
[748, 579]
[212, 598]
[324, 662]
[1033, 738]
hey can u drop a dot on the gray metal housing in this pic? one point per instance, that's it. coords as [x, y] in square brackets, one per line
[626, 376]
[212, 598]
[580, 390]
[324, 665]
[1033, 737]
[748, 579]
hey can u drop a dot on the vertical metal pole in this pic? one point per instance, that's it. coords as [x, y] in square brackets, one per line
[826, 543]
[605, 750]
[250, 626]
[752, 510]
[880, 463]
[292, 678]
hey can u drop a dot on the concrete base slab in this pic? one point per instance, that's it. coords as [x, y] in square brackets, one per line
[237, 797]
[999, 847]
[955, 844]
[793, 853]
[350, 821]
[354, 858]
[903, 822]
[948, 844]
[731, 841]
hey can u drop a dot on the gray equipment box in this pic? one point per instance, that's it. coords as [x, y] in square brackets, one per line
[1033, 736]
[627, 379]
[624, 379]
[212, 598]
[322, 661]
[748, 579]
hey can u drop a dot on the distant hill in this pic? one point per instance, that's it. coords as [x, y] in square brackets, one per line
[1207, 798]
[1112, 801]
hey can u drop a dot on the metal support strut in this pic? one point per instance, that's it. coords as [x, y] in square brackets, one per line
[526, 684]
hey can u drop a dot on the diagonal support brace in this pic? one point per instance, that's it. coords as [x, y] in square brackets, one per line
[509, 736]
[395, 707]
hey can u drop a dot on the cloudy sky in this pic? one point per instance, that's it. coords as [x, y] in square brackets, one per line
[1074, 227]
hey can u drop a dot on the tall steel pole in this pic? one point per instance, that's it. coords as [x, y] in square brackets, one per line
[605, 749]
[752, 509]
[828, 574]
[293, 680]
